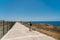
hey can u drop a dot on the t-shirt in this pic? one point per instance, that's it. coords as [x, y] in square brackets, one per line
[30, 24]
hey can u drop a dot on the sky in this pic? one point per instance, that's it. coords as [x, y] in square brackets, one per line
[30, 10]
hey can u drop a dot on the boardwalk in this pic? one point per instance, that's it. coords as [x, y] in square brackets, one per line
[20, 32]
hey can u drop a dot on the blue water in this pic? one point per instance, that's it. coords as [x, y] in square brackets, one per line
[55, 23]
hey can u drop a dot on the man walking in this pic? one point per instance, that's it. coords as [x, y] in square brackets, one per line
[30, 29]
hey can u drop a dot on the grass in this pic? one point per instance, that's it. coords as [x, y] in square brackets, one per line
[50, 32]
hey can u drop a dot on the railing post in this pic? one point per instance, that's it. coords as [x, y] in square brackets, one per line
[3, 27]
[7, 26]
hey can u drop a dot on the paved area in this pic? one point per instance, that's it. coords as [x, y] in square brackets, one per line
[20, 32]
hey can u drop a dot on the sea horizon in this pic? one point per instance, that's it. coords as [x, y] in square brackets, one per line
[55, 23]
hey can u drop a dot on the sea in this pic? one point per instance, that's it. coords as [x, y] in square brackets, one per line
[55, 23]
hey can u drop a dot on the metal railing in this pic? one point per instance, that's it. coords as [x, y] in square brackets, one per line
[5, 26]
